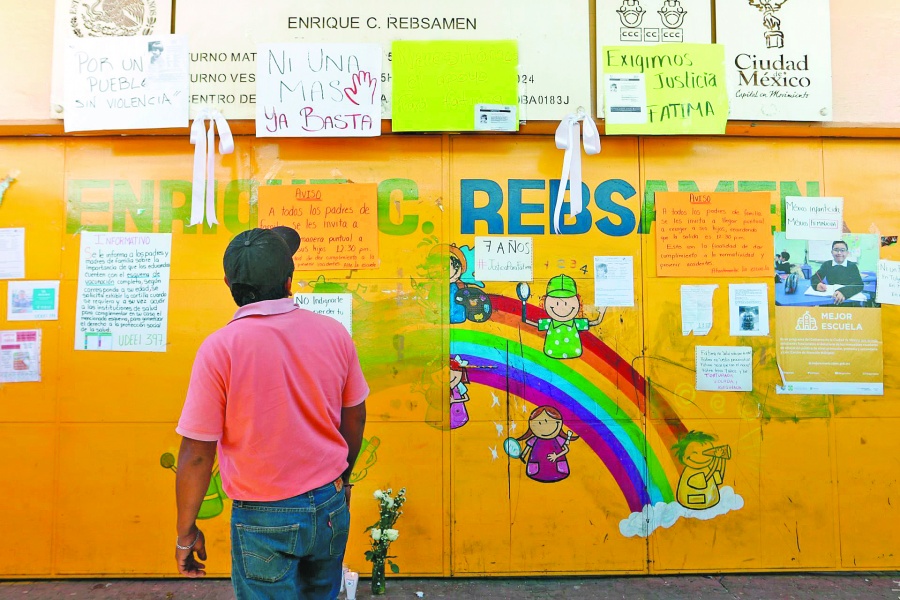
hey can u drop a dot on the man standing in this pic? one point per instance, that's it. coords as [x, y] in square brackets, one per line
[280, 391]
[840, 272]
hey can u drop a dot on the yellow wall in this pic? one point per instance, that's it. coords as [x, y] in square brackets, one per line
[84, 488]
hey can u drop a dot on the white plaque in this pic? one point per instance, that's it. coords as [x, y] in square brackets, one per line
[554, 44]
[777, 58]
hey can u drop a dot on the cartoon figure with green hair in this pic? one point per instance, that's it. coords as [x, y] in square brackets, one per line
[704, 470]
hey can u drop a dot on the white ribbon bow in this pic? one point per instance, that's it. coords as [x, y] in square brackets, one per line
[567, 135]
[205, 161]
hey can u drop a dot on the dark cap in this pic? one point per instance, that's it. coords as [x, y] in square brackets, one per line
[257, 264]
[290, 237]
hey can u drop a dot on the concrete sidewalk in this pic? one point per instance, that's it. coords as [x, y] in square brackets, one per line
[855, 586]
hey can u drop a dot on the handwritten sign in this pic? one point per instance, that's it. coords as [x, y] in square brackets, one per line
[724, 368]
[126, 83]
[337, 223]
[888, 290]
[318, 90]
[504, 258]
[336, 306]
[438, 84]
[684, 88]
[123, 291]
[713, 234]
[814, 218]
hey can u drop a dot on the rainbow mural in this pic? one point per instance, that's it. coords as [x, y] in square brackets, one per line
[584, 390]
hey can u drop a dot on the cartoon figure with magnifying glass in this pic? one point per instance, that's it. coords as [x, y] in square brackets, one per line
[565, 322]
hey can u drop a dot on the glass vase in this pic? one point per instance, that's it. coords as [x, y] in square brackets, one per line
[378, 581]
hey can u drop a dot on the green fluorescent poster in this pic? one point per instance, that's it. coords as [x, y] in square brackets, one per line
[437, 85]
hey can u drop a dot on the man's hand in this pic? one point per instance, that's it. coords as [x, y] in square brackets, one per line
[347, 491]
[187, 564]
[838, 297]
[821, 286]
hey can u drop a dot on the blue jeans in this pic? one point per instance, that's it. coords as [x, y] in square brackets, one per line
[291, 548]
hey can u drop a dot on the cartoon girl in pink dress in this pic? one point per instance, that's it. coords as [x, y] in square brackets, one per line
[546, 446]
[459, 393]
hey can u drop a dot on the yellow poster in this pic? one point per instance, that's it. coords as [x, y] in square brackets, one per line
[829, 350]
[337, 224]
[666, 89]
[438, 85]
[713, 234]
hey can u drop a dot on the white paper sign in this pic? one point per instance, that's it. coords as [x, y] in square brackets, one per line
[500, 258]
[626, 99]
[32, 301]
[224, 35]
[20, 356]
[76, 19]
[613, 281]
[12, 253]
[888, 290]
[748, 311]
[123, 291]
[724, 368]
[126, 83]
[318, 90]
[814, 218]
[639, 22]
[697, 308]
[777, 58]
[336, 306]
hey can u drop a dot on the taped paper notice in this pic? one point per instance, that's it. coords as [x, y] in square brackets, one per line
[888, 291]
[20, 356]
[337, 306]
[697, 308]
[614, 281]
[724, 368]
[504, 258]
[748, 308]
[12, 253]
[814, 218]
[33, 301]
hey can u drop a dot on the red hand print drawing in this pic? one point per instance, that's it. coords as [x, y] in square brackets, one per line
[362, 88]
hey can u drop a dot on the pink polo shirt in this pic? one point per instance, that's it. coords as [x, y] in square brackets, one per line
[269, 387]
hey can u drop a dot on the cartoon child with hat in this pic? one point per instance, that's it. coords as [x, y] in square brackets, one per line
[563, 306]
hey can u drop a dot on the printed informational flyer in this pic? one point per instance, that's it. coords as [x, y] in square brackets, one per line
[626, 99]
[724, 368]
[504, 258]
[614, 281]
[12, 253]
[123, 291]
[748, 308]
[32, 301]
[20, 356]
[697, 308]
[336, 306]
[829, 350]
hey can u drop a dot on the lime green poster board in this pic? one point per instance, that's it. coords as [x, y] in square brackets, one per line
[676, 89]
[437, 85]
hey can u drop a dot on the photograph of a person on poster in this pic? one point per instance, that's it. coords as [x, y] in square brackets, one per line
[828, 273]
